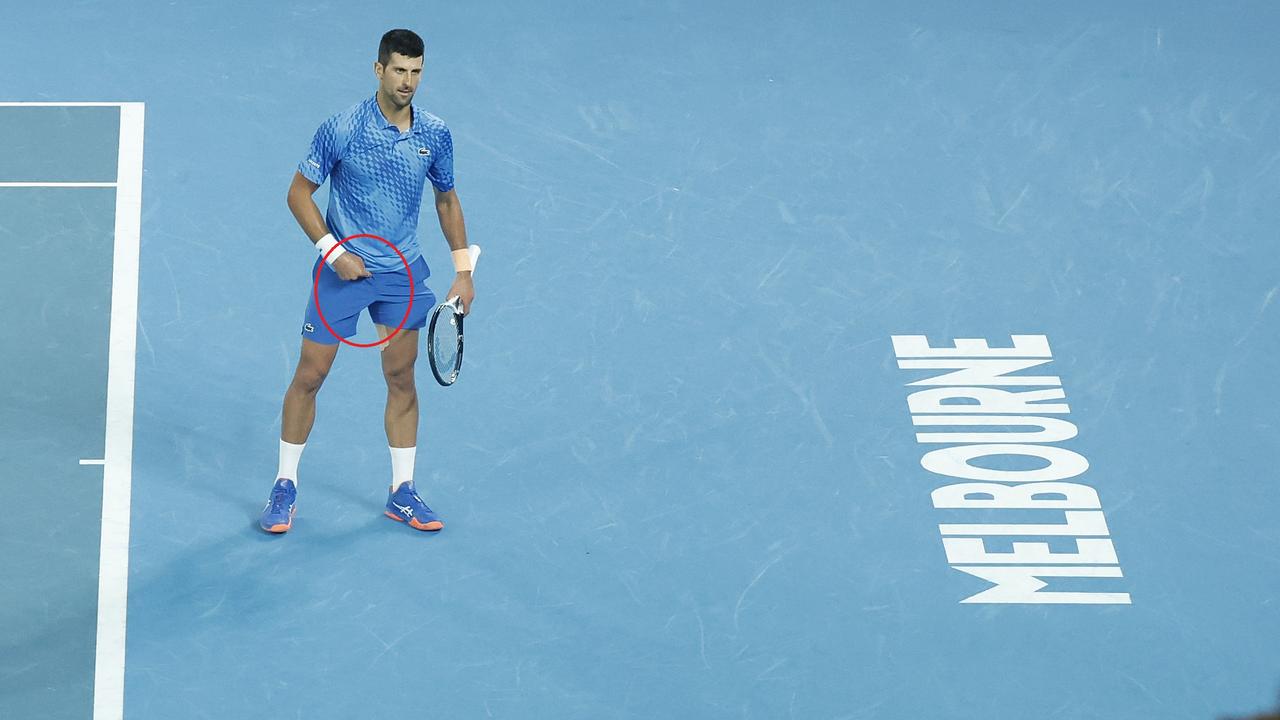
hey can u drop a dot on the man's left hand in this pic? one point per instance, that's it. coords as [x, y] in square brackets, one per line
[464, 290]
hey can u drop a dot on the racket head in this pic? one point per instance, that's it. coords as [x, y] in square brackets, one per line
[444, 341]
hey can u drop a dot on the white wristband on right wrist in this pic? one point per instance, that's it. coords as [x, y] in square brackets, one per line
[327, 243]
[462, 260]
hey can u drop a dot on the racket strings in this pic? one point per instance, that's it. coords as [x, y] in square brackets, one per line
[446, 340]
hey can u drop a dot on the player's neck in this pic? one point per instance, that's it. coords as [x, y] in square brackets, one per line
[401, 118]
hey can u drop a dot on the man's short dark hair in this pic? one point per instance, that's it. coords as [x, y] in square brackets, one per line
[405, 42]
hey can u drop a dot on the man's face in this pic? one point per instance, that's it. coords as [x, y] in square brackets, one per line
[398, 79]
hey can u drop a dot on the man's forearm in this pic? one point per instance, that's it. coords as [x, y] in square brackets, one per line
[307, 213]
[452, 225]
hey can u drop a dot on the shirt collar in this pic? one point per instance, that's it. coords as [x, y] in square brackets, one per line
[381, 121]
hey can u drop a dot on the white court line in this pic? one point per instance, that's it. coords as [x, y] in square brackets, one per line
[65, 104]
[56, 184]
[113, 565]
[93, 462]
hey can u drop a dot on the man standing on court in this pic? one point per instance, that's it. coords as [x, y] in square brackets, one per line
[377, 157]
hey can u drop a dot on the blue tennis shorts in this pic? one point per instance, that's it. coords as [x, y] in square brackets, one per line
[385, 294]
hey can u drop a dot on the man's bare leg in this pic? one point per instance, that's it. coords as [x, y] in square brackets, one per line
[404, 505]
[401, 416]
[298, 416]
[299, 412]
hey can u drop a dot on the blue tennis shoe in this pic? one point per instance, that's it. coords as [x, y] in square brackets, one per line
[405, 506]
[277, 516]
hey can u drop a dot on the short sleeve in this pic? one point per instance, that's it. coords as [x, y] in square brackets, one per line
[441, 172]
[323, 154]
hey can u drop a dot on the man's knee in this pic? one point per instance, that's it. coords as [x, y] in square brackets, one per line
[313, 368]
[399, 378]
[309, 378]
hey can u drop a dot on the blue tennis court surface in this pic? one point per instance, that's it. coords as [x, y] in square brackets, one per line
[710, 455]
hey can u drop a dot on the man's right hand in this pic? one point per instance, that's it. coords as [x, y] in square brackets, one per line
[350, 267]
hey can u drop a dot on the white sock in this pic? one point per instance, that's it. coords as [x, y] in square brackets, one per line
[402, 466]
[290, 454]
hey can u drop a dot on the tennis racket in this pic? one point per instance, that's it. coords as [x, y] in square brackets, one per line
[444, 335]
[384, 331]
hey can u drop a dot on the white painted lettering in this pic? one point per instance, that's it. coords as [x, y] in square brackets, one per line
[917, 346]
[972, 551]
[1051, 429]
[980, 372]
[984, 430]
[987, 400]
[1066, 496]
[956, 462]
[1021, 585]
[1079, 523]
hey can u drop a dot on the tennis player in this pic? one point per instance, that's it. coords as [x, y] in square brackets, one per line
[377, 157]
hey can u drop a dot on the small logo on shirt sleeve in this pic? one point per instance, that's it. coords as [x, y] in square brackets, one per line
[313, 162]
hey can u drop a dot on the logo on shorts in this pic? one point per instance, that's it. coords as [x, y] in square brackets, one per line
[309, 328]
[424, 152]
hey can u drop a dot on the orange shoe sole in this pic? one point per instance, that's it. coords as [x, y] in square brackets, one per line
[282, 527]
[433, 526]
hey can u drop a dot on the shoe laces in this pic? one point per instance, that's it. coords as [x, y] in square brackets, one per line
[413, 493]
[279, 498]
